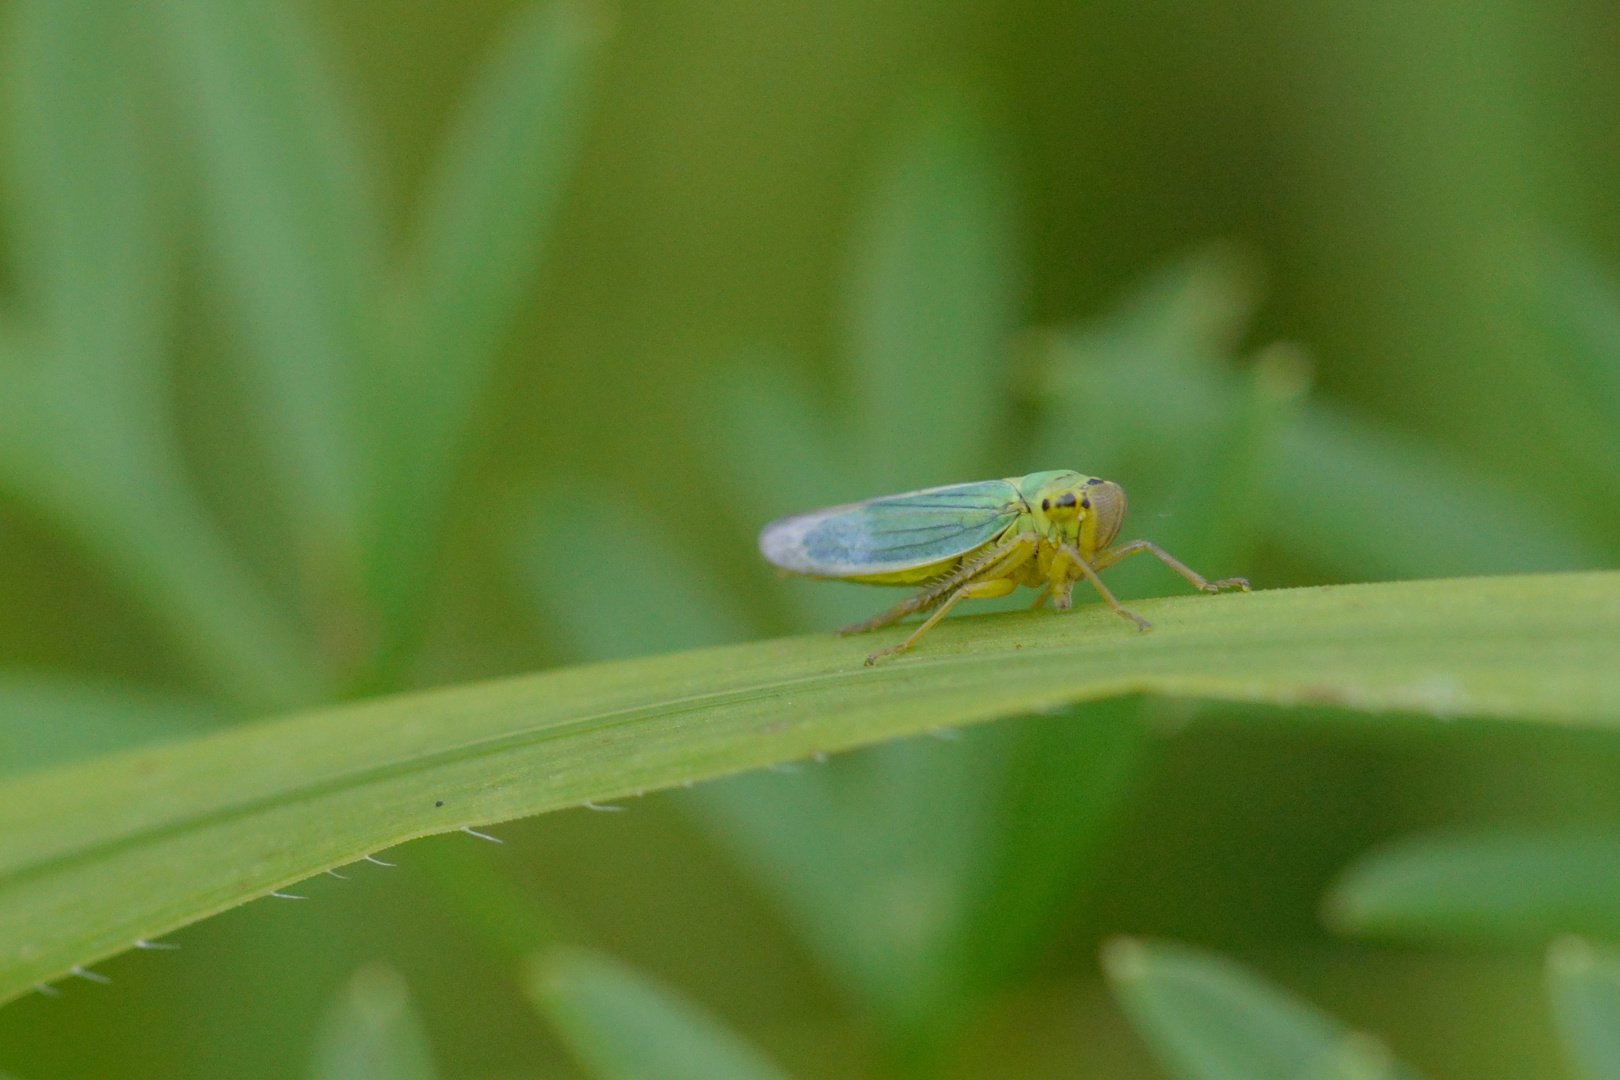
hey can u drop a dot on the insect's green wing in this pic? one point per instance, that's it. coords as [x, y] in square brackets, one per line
[893, 533]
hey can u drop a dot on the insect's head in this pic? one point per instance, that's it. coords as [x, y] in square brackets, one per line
[1098, 505]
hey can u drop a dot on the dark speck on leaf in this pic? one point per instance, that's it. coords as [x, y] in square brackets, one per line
[439, 803]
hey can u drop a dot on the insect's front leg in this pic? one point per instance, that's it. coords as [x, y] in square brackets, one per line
[1197, 580]
[1056, 590]
[1072, 554]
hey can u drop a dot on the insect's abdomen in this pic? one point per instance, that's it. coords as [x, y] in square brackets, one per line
[914, 575]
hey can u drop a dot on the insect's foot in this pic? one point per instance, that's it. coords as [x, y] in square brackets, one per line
[875, 657]
[1141, 623]
[1228, 583]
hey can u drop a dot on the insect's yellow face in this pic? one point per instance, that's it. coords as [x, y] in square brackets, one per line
[1061, 505]
[1089, 512]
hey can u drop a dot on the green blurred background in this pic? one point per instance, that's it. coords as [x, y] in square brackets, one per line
[358, 347]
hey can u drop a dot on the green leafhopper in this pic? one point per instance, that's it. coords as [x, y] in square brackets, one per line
[960, 542]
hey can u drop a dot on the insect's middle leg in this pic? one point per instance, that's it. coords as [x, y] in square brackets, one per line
[1194, 578]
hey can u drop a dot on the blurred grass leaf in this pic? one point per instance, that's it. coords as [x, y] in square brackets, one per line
[1147, 394]
[923, 871]
[371, 1032]
[97, 855]
[1206, 1018]
[621, 1025]
[488, 215]
[1583, 982]
[48, 720]
[1369, 504]
[1583, 299]
[86, 432]
[294, 226]
[932, 299]
[1132, 393]
[1574, 302]
[1513, 886]
[514, 923]
[643, 594]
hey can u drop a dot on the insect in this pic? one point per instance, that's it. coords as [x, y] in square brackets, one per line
[961, 542]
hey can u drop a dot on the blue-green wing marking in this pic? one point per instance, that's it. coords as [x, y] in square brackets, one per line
[892, 533]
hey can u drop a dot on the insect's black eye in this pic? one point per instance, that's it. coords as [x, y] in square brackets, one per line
[1085, 504]
[1046, 504]
[1066, 499]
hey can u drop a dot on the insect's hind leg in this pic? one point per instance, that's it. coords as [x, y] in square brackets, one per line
[1194, 578]
[905, 607]
[1004, 556]
[973, 590]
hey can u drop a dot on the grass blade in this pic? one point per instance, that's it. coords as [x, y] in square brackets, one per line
[632, 605]
[295, 229]
[372, 1033]
[623, 1026]
[1147, 392]
[489, 211]
[491, 206]
[92, 270]
[94, 856]
[1369, 505]
[1206, 1018]
[86, 435]
[933, 299]
[921, 872]
[1584, 984]
[1497, 886]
